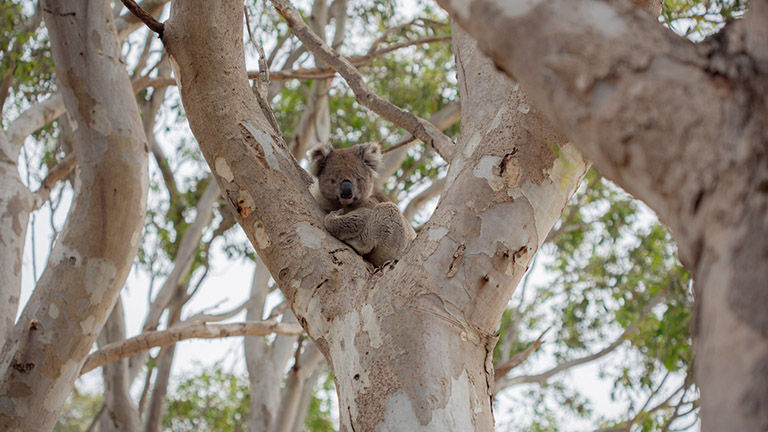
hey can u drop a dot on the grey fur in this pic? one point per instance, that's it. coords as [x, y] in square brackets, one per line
[368, 222]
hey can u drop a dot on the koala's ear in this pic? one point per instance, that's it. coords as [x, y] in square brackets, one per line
[317, 156]
[370, 153]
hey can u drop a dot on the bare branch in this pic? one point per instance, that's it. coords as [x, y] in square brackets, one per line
[203, 317]
[520, 357]
[32, 119]
[302, 74]
[185, 255]
[145, 17]
[150, 339]
[544, 376]
[419, 127]
[128, 22]
[56, 174]
[396, 154]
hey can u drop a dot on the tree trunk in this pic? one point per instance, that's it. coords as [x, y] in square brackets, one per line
[93, 254]
[120, 412]
[265, 362]
[290, 403]
[410, 344]
[681, 127]
[15, 206]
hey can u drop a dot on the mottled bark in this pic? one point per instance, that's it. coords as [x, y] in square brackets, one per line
[16, 203]
[94, 252]
[681, 127]
[15, 206]
[409, 344]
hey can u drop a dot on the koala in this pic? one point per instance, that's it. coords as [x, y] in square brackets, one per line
[358, 214]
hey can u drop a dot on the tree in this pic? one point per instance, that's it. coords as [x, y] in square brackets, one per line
[703, 172]
[411, 344]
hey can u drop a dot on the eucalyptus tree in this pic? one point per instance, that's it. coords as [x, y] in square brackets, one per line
[410, 345]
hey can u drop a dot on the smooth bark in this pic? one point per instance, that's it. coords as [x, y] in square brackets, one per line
[679, 126]
[265, 361]
[410, 344]
[120, 412]
[93, 254]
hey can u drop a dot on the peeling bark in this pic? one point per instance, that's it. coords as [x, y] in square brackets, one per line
[93, 254]
[409, 344]
[679, 126]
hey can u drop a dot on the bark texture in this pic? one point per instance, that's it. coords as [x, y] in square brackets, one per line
[16, 203]
[409, 344]
[93, 254]
[680, 126]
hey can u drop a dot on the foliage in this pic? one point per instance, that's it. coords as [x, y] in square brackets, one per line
[79, 411]
[26, 64]
[319, 415]
[611, 269]
[214, 400]
[697, 19]
[219, 401]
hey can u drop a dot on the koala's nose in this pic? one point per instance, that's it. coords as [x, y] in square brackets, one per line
[346, 190]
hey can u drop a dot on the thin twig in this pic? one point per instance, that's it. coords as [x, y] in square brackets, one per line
[145, 17]
[544, 376]
[520, 357]
[55, 174]
[204, 317]
[301, 74]
[419, 127]
[403, 142]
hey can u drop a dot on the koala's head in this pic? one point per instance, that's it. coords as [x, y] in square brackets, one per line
[345, 176]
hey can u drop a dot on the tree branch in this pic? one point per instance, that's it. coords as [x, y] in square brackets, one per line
[544, 376]
[128, 22]
[150, 339]
[394, 156]
[145, 17]
[203, 317]
[56, 174]
[419, 127]
[304, 73]
[520, 357]
[32, 119]
[635, 108]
